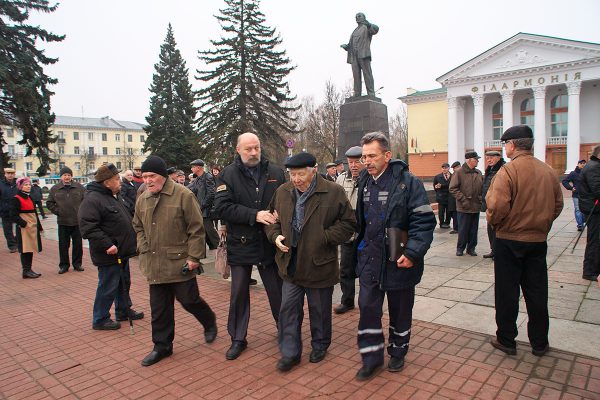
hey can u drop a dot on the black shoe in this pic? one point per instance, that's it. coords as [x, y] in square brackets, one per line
[591, 277]
[541, 352]
[235, 350]
[396, 364]
[511, 351]
[286, 363]
[459, 253]
[317, 355]
[342, 308]
[444, 226]
[579, 228]
[29, 274]
[253, 282]
[78, 268]
[472, 253]
[133, 314]
[62, 270]
[109, 325]
[155, 356]
[489, 255]
[210, 333]
[453, 232]
[13, 250]
[367, 372]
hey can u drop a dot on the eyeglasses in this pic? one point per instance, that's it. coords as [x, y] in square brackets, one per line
[505, 142]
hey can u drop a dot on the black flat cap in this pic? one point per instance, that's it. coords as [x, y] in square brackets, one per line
[301, 160]
[472, 154]
[355, 152]
[338, 162]
[445, 165]
[493, 153]
[455, 164]
[171, 170]
[330, 164]
[517, 132]
[198, 162]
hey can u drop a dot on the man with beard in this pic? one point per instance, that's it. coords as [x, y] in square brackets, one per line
[244, 191]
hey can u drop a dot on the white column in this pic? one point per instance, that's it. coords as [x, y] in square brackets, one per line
[460, 107]
[507, 113]
[539, 145]
[452, 130]
[573, 134]
[478, 127]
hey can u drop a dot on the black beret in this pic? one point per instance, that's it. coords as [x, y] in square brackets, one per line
[171, 170]
[455, 164]
[355, 152]
[493, 153]
[198, 162]
[331, 164]
[517, 132]
[63, 170]
[155, 164]
[105, 172]
[301, 160]
[445, 165]
[472, 154]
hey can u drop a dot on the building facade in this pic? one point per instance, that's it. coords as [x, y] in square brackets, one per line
[550, 84]
[83, 144]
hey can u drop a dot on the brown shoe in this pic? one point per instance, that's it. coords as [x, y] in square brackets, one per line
[511, 351]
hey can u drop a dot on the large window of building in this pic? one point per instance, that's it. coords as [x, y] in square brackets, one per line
[130, 138]
[105, 151]
[90, 135]
[75, 135]
[104, 137]
[559, 115]
[92, 166]
[142, 138]
[130, 151]
[76, 150]
[61, 149]
[61, 134]
[528, 112]
[117, 137]
[118, 164]
[497, 120]
[10, 132]
[118, 151]
[28, 166]
[11, 149]
[91, 150]
[61, 165]
[77, 165]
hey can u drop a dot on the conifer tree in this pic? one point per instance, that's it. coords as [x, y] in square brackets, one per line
[24, 92]
[247, 90]
[170, 126]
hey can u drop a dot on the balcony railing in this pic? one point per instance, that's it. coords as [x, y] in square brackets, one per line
[492, 143]
[61, 141]
[557, 140]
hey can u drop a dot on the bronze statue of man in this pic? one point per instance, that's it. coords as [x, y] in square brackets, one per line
[359, 54]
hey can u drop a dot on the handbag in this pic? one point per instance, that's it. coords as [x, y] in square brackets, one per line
[221, 265]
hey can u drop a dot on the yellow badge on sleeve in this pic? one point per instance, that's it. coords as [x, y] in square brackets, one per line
[220, 188]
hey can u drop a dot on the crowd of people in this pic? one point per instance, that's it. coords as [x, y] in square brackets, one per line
[376, 216]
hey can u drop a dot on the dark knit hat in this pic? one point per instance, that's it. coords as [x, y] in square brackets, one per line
[354, 152]
[455, 164]
[301, 160]
[105, 172]
[155, 164]
[472, 154]
[65, 170]
[517, 132]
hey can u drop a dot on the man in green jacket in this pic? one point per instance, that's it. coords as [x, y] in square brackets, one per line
[314, 217]
[170, 235]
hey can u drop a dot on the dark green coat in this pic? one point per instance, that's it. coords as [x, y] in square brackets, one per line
[328, 222]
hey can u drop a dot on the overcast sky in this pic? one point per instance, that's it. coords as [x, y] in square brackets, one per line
[107, 60]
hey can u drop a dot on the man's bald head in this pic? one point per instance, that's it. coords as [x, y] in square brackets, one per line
[248, 147]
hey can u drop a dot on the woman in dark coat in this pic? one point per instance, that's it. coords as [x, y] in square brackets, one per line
[29, 240]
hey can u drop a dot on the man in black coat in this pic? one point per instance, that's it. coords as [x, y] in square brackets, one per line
[128, 191]
[37, 196]
[589, 203]
[203, 186]
[8, 190]
[570, 183]
[452, 201]
[105, 221]
[494, 162]
[244, 191]
[441, 183]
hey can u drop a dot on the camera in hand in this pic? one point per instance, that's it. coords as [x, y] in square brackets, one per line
[186, 269]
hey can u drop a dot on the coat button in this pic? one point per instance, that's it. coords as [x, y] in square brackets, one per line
[153, 252]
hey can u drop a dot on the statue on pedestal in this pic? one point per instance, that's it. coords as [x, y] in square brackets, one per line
[359, 54]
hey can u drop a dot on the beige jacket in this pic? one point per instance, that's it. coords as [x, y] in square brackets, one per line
[170, 231]
[524, 199]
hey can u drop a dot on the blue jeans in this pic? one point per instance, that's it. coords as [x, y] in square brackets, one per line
[578, 214]
[110, 289]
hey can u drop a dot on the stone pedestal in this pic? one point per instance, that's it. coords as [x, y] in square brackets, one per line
[360, 115]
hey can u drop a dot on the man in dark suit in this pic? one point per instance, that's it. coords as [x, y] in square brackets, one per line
[441, 182]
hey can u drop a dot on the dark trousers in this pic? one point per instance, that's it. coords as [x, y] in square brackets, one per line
[66, 234]
[468, 224]
[521, 264]
[212, 237]
[239, 304]
[371, 340]
[40, 207]
[591, 260]
[26, 261]
[347, 273]
[110, 289]
[443, 214]
[454, 220]
[162, 306]
[292, 315]
[491, 237]
[9, 233]
[364, 65]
